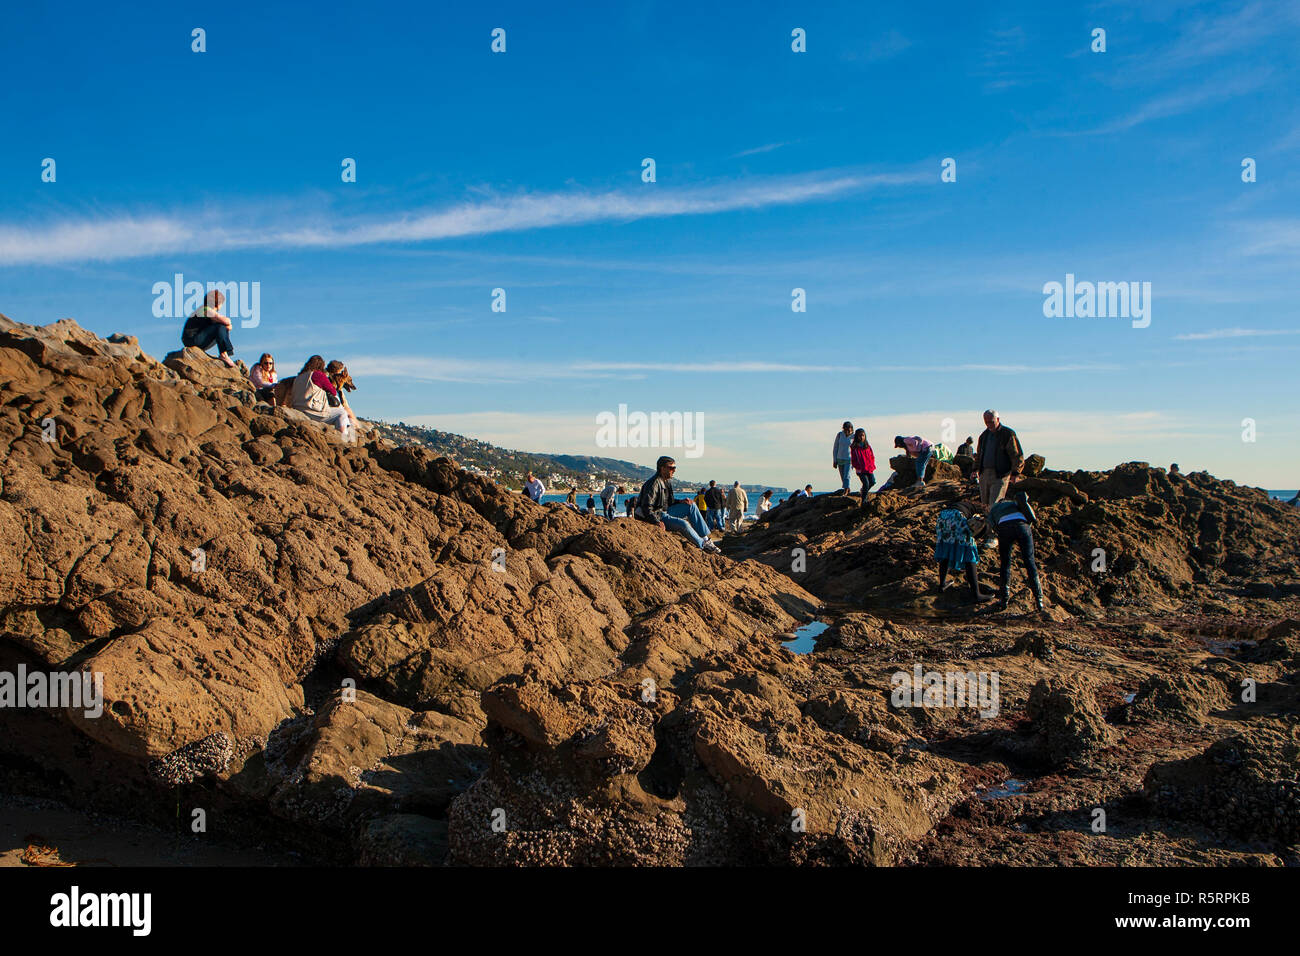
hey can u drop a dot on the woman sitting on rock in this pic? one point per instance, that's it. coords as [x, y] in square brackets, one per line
[263, 377]
[311, 391]
[1013, 519]
[954, 547]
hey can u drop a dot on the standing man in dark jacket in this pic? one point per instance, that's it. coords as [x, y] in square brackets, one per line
[716, 499]
[998, 460]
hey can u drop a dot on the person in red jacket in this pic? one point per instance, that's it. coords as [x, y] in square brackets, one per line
[864, 461]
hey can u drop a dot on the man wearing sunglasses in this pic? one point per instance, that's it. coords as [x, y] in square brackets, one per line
[657, 505]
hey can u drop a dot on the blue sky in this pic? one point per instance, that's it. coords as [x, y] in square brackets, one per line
[775, 170]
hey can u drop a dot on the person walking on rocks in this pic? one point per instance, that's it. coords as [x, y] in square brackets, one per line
[842, 455]
[657, 505]
[737, 505]
[863, 460]
[954, 547]
[534, 488]
[608, 495]
[311, 393]
[207, 326]
[998, 460]
[1013, 518]
[764, 504]
[967, 447]
[918, 448]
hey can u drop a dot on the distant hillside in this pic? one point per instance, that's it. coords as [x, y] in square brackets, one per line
[509, 467]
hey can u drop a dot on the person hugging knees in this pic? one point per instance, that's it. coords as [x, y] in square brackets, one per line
[208, 326]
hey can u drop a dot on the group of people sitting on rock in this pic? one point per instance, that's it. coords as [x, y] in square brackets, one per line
[317, 390]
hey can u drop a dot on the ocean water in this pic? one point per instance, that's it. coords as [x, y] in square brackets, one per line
[1282, 495]
[620, 507]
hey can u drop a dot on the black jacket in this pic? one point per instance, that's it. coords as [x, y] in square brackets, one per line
[714, 497]
[1008, 458]
[656, 497]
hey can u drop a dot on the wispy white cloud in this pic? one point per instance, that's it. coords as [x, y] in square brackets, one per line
[492, 372]
[1233, 334]
[1184, 101]
[128, 236]
[1271, 236]
[758, 149]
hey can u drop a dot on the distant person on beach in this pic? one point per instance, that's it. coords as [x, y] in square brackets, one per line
[842, 455]
[954, 547]
[571, 499]
[631, 506]
[591, 505]
[716, 500]
[657, 505]
[608, 495]
[967, 447]
[1013, 518]
[207, 325]
[764, 504]
[1173, 469]
[534, 488]
[998, 460]
[263, 378]
[311, 393]
[918, 448]
[702, 502]
[863, 460]
[737, 505]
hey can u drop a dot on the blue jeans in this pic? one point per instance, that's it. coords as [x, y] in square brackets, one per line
[609, 509]
[204, 337]
[922, 460]
[844, 467]
[713, 518]
[686, 520]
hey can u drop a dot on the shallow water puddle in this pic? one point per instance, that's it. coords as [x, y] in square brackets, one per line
[1009, 788]
[805, 638]
[1226, 647]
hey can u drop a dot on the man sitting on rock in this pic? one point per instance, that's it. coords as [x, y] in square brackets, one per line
[657, 505]
[998, 460]
[207, 325]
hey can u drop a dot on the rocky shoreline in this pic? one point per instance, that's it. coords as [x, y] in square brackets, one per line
[382, 659]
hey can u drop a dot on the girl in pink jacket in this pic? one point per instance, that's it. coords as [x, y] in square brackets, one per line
[864, 461]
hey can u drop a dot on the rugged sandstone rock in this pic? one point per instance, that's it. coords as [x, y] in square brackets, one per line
[1068, 724]
[321, 638]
